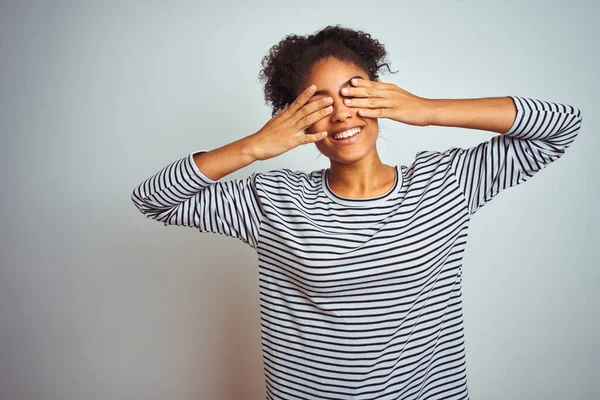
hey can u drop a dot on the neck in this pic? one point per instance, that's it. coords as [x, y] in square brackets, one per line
[365, 178]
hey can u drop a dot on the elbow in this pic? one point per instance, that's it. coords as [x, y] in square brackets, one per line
[138, 201]
[579, 118]
[570, 129]
[149, 209]
[576, 117]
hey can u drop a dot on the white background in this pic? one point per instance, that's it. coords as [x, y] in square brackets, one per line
[98, 302]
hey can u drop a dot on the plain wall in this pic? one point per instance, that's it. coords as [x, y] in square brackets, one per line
[98, 302]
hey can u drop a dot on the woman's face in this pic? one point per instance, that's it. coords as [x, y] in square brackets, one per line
[330, 75]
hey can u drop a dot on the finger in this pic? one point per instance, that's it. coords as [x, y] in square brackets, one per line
[369, 102]
[305, 139]
[302, 98]
[368, 88]
[281, 111]
[363, 92]
[316, 116]
[313, 107]
[374, 113]
[356, 82]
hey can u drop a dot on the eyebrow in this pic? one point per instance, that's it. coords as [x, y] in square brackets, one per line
[347, 83]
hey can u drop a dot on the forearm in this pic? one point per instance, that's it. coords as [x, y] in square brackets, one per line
[216, 164]
[496, 114]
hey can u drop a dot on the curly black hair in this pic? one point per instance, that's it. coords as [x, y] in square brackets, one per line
[288, 62]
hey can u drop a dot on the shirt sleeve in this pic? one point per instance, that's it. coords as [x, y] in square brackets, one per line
[180, 194]
[540, 134]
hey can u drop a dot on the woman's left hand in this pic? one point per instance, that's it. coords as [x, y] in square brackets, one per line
[386, 100]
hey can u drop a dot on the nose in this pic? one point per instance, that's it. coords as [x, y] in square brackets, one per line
[341, 112]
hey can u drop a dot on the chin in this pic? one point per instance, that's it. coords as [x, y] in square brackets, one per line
[345, 156]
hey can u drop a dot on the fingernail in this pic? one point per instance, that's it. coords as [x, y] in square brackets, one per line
[312, 87]
[329, 109]
[328, 100]
[348, 101]
[345, 91]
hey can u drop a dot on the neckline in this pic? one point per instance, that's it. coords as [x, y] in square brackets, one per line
[361, 202]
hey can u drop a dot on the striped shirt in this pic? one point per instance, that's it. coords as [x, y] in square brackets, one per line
[361, 298]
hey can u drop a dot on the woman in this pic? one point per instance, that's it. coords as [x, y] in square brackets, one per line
[360, 263]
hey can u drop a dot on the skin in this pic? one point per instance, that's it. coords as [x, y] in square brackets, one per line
[356, 171]
[329, 104]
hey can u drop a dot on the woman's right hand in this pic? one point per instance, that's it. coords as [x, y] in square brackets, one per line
[285, 130]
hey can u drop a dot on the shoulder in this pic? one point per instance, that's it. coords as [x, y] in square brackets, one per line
[433, 157]
[289, 178]
[430, 162]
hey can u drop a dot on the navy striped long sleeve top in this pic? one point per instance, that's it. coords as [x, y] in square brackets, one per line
[361, 298]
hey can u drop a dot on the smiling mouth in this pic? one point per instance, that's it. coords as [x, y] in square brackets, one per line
[346, 134]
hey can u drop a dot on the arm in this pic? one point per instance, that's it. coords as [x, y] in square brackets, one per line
[180, 194]
[495, 114]
[535, 133]
[282, 133]
[187, 192]
[218, 163]
[539, 135]
[376, 99]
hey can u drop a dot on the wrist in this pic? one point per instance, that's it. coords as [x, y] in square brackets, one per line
[433, 111]
[249, 148]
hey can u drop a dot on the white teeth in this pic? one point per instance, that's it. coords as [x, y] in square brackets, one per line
[346, 134]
